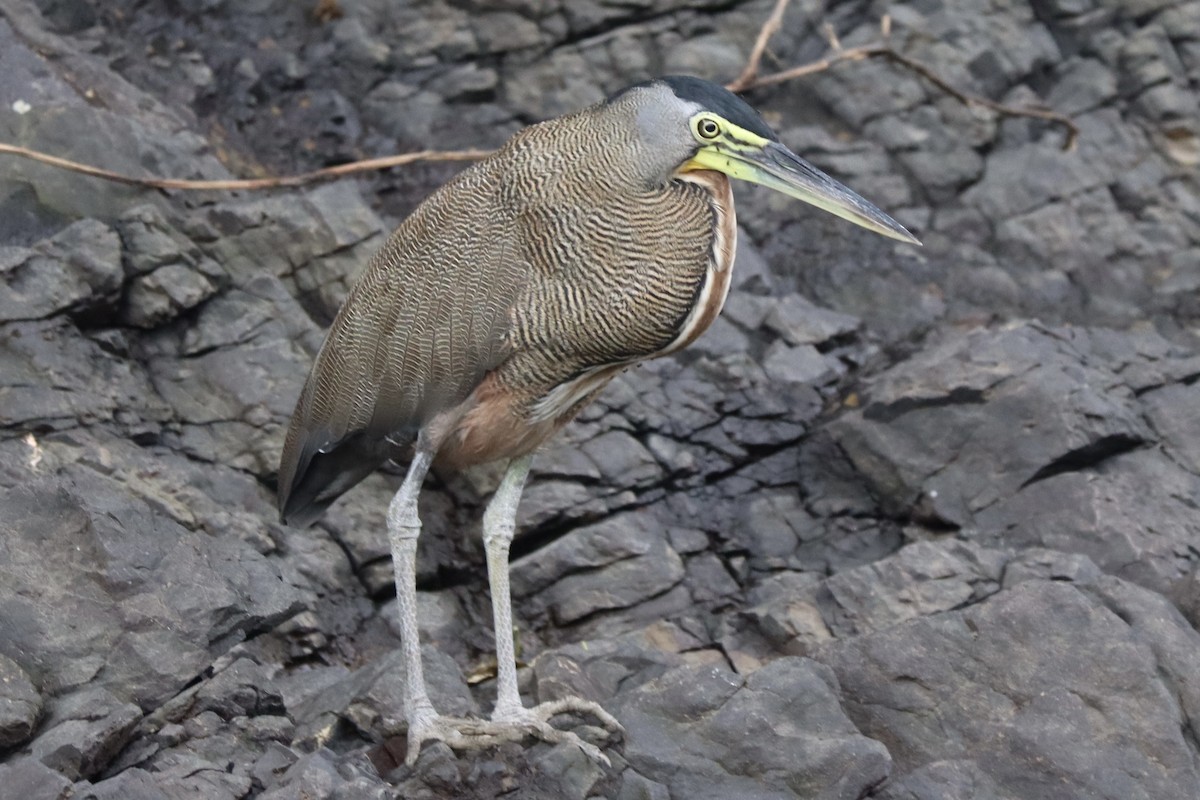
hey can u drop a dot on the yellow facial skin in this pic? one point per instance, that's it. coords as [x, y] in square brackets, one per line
[746, 156]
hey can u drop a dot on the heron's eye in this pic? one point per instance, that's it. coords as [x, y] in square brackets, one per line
[708, 128]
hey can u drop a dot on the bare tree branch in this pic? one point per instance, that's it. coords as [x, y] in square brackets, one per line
[769, 29]
[750, 79]
[252, 183]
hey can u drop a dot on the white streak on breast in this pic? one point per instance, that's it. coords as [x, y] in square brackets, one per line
[717, 276]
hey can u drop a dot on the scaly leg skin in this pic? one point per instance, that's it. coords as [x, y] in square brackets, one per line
[511, 720]
[404, 526]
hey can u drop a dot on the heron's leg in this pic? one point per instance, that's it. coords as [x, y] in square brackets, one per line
[404, 526]
[499, 524]
[511, 722]
[510, 718]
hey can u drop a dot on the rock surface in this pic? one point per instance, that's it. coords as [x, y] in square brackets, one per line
[905, 524]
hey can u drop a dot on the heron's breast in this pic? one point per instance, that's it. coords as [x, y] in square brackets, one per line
[714, 288]
[565, 398]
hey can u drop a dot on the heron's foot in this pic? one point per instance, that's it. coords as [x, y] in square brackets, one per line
[536, 721]
[510, 724]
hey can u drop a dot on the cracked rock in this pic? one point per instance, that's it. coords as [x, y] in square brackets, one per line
[706, 732]
[612, 565]
[1098, 513]
[975, 419]
[146, 643]
[20, 704]
[165, 293]
[978, 527]
[84, 732]
[77, 270]
[1005, 685]
[30, 779]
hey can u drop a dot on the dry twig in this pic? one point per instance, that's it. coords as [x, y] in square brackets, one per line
[769, 29]
[251, 183]
[750, 79]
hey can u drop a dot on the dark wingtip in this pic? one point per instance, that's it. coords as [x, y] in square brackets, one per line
[323, 473]
[304, 516]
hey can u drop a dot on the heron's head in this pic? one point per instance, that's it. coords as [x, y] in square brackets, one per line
[684, 123]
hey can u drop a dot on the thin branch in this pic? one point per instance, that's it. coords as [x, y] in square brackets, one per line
[253, 183]
[859, 53]
[769, 29]
[750, 79]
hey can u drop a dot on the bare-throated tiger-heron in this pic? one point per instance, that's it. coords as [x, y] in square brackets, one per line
[507, 300]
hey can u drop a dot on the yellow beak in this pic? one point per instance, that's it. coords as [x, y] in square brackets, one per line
[770, 164]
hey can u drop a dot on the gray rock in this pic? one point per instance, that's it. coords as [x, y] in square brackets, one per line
[29, 351]
[567, 772]
[783, 615]
[774, 524]
[1009, 687]
[638, 787]
[553, 503]
[1186, 595]
[1063, 475]
[273, 764]
[800, 322]
[77, 270]
[29, 778]
[949, 408]
[1156, 624]
[610, 541]
[205, 780]
[920, 580]
[243, 688]
[319, 774]
[1172, 413]
[795, 613]
[1020, 179]
[706, 732]
[864, 450]
[708, 579]
[621, 459]
[117, 125]
[504, 30]
[84, 732]
[711, 56]
[944, 780]
[164, 294]
[1104, 516]
[1035, 563]
[802, 364]
[122, 553]
[1085, 84]
[150, 241]
[20, 704]
[371, 699]
[618, 585]
[602, 668]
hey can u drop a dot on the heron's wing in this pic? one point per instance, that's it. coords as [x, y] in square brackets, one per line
[427, 320]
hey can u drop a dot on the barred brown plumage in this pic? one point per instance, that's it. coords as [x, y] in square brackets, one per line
[509, 298]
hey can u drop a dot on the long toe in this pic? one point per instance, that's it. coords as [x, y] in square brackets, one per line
[543, 712]
[536, 721]
[435, 728]
[511, 725]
